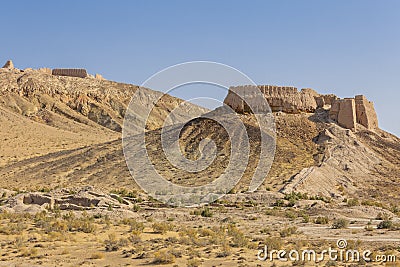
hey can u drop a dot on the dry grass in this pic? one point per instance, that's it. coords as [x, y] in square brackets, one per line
[162, 227]
[97, 256]
[163, 256]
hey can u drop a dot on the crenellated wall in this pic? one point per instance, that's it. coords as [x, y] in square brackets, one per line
[280, 98]
[346, 112]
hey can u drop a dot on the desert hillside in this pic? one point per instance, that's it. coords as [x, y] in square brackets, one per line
[68, 196]
[49, 113]
[72, 127]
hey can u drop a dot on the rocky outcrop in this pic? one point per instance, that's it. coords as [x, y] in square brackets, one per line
[9, 65]
[81, 73]
[91, 102]
[346, 161]
[85, 198]
[280, 98]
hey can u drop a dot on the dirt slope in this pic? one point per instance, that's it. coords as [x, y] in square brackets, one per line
[42, 113]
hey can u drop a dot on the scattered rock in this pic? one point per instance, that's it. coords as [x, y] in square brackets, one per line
[85, 198]
[99, 77]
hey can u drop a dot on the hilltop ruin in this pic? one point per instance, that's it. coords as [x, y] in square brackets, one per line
[81, 73]
[346, 112]
[71, 72]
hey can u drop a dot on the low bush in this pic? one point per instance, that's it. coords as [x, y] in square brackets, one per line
[340, 224]
[322, 220]
[288, 231]
[162, 227]
[386, 224]
[163, 256]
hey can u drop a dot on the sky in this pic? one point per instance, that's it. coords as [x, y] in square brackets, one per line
[345, 47]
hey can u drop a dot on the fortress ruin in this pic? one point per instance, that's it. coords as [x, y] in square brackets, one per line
[350, 111]
[280, 98]
[347, 112]
[81, 73]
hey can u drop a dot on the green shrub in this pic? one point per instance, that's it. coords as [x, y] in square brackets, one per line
[204, 212]
[288, 231]
[294, 196]
[322, 220]
[386, 224]
[306, 218]
[279, 203]
[125, 193]
[340, 224]
[353, 202]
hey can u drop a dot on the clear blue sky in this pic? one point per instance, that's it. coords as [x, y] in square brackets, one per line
[342, 47]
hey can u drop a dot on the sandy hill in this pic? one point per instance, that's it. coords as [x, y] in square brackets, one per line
[42, 113]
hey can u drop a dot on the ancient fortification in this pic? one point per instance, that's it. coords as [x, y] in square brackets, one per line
[346, 112]
[350, 111]
[286, 99]
[81, 73]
